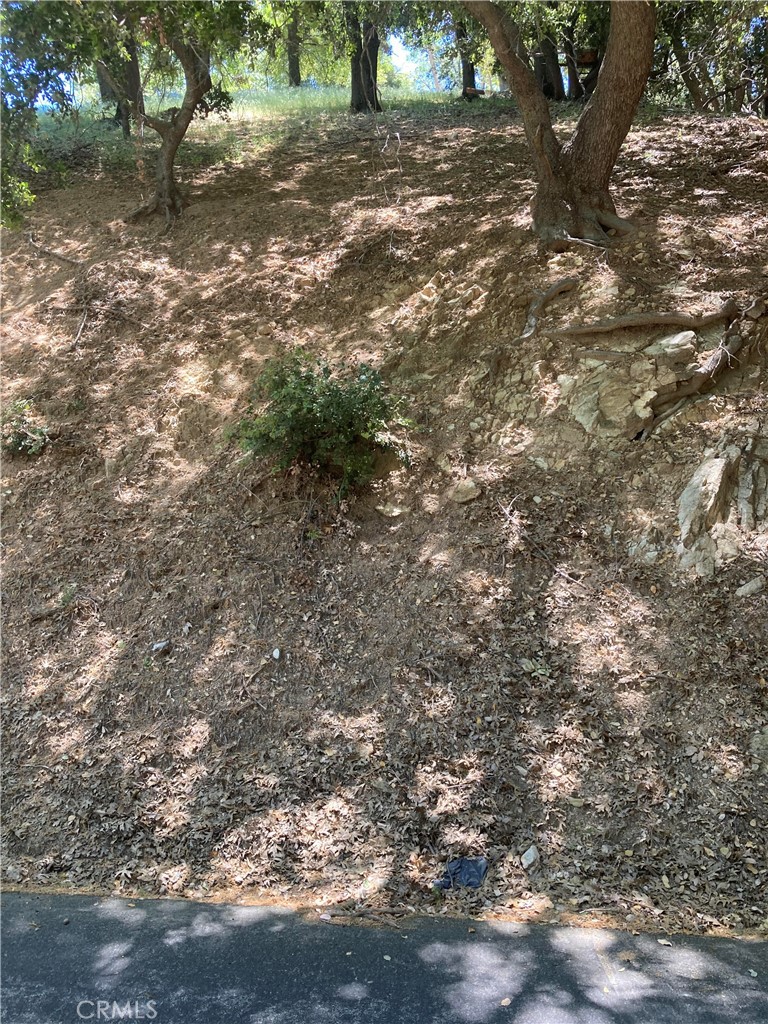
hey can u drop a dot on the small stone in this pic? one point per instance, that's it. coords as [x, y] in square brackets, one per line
[529, 858]
[264, 329]
[390, 511]
[276, 654]
[755, 586]
[464, 491]
[162, 647]
[13, 874]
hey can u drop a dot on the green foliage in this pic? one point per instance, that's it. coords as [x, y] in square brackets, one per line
[21, 433]
[335, 419]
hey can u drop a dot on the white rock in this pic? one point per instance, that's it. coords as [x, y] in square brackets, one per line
[390, 511]
[755, 586]
[529, 858]
[674, 348]
[706, 499]
[464, 491]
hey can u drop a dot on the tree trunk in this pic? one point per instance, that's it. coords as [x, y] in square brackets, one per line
[687, 69]
[293, 47]
[433, 68]
[575, 88]
[547, 70]
[168, 199]
[364, 61]
[120, 82]
[572, 200]
[468, 76]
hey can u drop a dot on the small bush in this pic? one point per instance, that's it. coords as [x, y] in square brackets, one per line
[21, 435]
[335, 419]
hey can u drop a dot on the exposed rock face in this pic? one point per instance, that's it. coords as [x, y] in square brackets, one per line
[706, 499]
[726, 497]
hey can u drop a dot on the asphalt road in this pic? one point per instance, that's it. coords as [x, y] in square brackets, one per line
[67, 959]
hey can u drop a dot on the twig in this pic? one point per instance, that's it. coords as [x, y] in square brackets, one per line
[80, 328]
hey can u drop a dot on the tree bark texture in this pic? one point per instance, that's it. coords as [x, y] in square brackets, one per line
[364, 61]
[293, 46]
[572, 200]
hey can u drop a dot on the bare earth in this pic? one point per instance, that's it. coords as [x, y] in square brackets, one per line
[453, 678]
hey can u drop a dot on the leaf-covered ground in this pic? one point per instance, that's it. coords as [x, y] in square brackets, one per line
[454, 678]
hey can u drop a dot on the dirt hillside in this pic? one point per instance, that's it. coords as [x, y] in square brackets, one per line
[549, 631]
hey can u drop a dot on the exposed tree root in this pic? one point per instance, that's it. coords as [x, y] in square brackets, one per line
[539, 303]
[542, 299]
[172, 208]
[727, 312]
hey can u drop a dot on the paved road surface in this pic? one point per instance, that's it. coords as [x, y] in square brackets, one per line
[67, 959]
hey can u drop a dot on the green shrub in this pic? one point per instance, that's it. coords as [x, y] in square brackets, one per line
[21, 435]
[335, 419]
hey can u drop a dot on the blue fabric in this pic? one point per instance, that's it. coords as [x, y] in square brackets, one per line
[468, 872]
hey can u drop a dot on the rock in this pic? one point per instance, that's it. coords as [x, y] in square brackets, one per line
[162, 647]
[759, 747]
[755, 586]
[390, 511]
[276, 654]
[13, 874]
[675, 348]
[529, 858]
[706, 499]
[464, 491]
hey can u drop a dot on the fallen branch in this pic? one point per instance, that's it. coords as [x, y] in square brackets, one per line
[51, 252]
[525, 535]
[727, 312]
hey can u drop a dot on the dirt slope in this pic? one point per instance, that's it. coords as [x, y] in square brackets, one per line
[534, 666]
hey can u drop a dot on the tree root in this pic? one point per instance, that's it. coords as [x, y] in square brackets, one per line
[171, 208]
[727, 312]
[541, 301]
[666, 405]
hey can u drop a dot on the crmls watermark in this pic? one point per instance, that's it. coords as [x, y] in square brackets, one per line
[103, 1009]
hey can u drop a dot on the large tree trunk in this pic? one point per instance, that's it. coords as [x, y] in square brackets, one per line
[572, 199]
[293, 47]
[364, 61]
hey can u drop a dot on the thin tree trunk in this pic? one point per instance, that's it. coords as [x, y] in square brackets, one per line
[293, 47]
[575, 88]
[433, 69]
[687, 69]
[468, 76]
